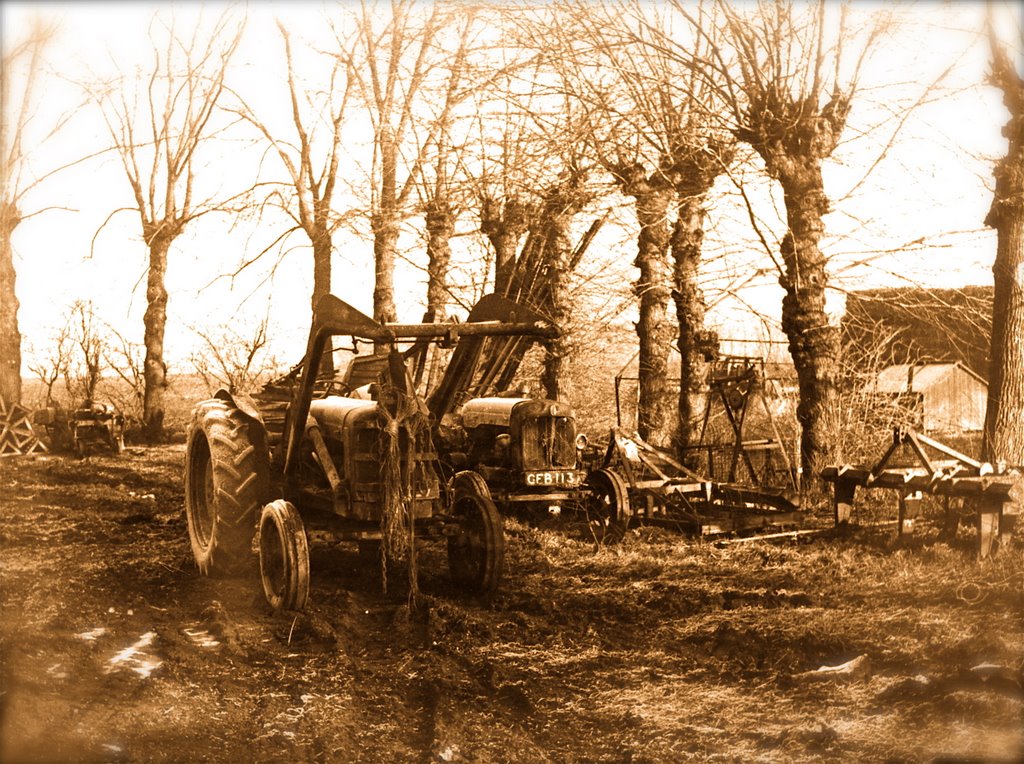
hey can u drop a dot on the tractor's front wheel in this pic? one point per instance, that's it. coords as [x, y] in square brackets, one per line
[284, 556]
[607, 506]
[226, 482]
[476, 553]
[468, 482]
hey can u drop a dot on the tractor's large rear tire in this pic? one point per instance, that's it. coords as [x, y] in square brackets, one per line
[476, 554]
[227, 472]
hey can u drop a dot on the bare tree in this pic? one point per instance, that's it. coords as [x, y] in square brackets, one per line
[127, 360]
[441, 193]
[787, 75]
[88, 335]
[52, 365]
[390, 67]
[506, 177]
[442, 189]
[310, 157]
[20, 68]
[158, 120]
[650, 127]
[557, 259]
[530, 182]
[234, 360]
[77, 353]
[1004, 419]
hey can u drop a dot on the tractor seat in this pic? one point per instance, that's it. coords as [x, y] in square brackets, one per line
[363, 370]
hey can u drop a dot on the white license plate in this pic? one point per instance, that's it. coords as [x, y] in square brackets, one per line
[553, 477]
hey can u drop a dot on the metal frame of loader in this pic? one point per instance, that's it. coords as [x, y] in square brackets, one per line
[659, 490]
[301, 455]
[997, 493]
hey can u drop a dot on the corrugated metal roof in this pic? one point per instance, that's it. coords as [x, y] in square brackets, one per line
[894, 379]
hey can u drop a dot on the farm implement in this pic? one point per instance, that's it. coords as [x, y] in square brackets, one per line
[995, 492]
[640, 484]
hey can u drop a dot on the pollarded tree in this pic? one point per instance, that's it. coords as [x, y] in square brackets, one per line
[554, 259]
[396, 55]
[442, 192]
[504, 180]
[19, 76]
[786, 75]
[158, 120]
[530, 182]
[1004, 420]
[652, 127]
[310, 156]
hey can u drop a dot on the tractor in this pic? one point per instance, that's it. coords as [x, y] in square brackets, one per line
[525, 450]
[97, 424]
[354, 457]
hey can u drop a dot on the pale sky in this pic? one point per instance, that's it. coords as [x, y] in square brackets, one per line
[932, 188]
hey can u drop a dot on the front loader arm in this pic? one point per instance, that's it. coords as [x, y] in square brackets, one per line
[459, 375]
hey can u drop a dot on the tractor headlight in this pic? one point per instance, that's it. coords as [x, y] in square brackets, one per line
[582, 441]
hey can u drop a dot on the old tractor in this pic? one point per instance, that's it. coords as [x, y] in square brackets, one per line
[97, 424]
[526, 450]
[354, 457]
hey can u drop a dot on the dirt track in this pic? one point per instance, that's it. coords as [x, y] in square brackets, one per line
[114, 649]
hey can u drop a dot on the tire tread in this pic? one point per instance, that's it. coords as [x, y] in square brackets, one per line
[240, 477]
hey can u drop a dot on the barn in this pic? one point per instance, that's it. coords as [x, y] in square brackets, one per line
[948, 397]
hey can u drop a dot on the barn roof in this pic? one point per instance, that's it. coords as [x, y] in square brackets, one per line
[894, 379]
[913, 325]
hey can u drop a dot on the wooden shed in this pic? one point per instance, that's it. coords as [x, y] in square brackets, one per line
[949, 397]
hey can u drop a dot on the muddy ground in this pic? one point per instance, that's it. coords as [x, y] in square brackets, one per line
[660, 649]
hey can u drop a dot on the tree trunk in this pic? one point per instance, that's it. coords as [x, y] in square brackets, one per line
[793, 136]
[440, 225]
[322, 249]
[813, 342]
[385, 247]
[155, 323]
[654, 331]
[696, 344]
[557, 253]
[10, 334]
[554, 375]
[1004, 418]
[504, 226]
[321, 265]
[384, 223]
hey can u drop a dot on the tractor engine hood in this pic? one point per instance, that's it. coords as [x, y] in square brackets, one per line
[498, 411]
[334, 414]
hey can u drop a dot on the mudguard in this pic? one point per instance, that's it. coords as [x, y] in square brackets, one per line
[242, 402]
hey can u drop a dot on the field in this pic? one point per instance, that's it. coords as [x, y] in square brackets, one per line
[660, 649]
